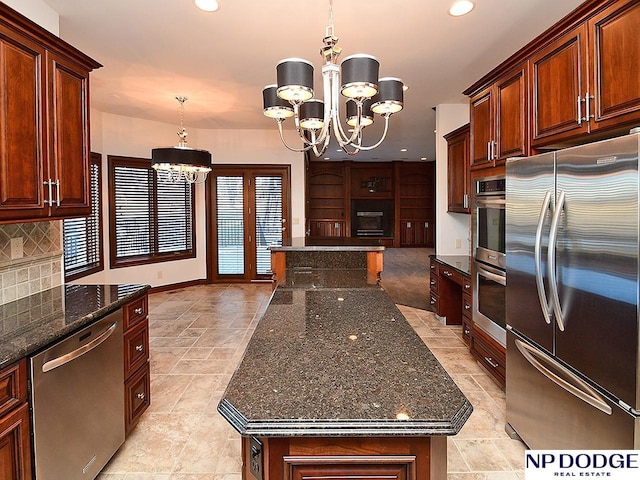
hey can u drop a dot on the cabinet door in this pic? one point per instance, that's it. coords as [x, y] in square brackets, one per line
[15, 445]
[614, 40]
[481, 127]
[457, 171]
[22, 157]
[558, 81]
[512, 133]
[69, 133]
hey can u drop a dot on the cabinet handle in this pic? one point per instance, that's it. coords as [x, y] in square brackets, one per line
[447, 273]
[467, 286]
[433, 301]
[491, 362]
[50, 185]
[587, 101]
[467, 306]
[467, 331]
[465, 201]
[140, 396]
[140, 348]
[57, 192]
[138, 311]
[488, 151]
[579, 108]
[433, 282]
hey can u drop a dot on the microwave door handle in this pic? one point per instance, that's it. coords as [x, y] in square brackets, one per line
[562, 377]
[551, 261]
[501, 279]
[545, 304]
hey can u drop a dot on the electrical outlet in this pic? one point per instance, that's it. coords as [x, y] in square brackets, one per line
[458, 243]
[17, 248]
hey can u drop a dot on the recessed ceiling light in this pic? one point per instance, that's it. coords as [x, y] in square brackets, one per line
[207, 5]
[461, 7]
[424, 159]
[403, 149]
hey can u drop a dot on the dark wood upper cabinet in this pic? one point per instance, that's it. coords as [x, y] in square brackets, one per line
[44, 119]
[458, 191]
[499, 121]
[586, 80]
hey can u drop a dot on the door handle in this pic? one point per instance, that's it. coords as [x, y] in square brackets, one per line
[545, 303]
[564, 378]
[551, 261]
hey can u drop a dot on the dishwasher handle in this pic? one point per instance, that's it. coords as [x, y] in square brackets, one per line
[78, 352]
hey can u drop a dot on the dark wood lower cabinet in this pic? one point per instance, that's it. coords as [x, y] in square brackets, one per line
[341, 458]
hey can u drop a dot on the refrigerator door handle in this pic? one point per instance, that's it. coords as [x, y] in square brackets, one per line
[545, 303]
[565, 379]
[551, 261]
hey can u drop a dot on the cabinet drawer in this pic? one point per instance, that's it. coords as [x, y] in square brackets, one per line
[466, 305]
[467, 326]
[135, 311]
[137, 391]
[433, 282]
[451, 274]
[489, 356]
[136, 347]
[15, 445]
[13, 386]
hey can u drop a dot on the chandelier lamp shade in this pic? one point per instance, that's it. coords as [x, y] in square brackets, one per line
[356, 79]
[181, 163]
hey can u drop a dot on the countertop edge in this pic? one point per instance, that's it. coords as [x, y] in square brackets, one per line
[344, 428]
[328, 248]
[22, 352]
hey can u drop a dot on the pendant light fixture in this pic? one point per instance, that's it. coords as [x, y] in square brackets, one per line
[356, 79]
[181, 163]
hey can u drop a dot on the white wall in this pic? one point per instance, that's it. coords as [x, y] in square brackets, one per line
[39, 12]
[450, 227]
[126, 136]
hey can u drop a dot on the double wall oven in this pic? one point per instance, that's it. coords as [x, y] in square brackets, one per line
[489, 262]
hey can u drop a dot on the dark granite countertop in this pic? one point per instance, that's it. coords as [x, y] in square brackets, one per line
[34, 322]
[461, 263]
[328, 244]
[329, 361]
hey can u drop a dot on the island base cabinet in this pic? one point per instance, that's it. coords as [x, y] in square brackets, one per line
[324, 458]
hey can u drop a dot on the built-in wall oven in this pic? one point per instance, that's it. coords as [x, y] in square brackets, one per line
[489, 265]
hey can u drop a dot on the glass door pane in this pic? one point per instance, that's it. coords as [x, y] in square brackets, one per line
[230, 223]
[269, 221]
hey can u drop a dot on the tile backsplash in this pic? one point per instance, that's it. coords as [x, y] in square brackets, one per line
[39, 268]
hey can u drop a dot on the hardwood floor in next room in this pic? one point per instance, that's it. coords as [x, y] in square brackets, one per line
[198, 336]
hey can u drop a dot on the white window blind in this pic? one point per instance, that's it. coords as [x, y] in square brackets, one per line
[268, 194]
[151, 220]
[82, 237]
[230, 227]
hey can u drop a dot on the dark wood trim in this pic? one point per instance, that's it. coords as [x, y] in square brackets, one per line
[176, 286]
[581, 13]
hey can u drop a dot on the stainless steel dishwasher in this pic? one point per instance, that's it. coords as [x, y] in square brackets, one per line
[78, 402]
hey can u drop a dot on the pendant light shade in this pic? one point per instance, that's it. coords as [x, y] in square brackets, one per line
[352, 113]
[295, 79]
[273, 105]
[390, 96]
[360, 76]
[312, 114]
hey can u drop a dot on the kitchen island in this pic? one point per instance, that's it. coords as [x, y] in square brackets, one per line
[335, 382]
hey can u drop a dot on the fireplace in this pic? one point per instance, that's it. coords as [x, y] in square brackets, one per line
[371, 218]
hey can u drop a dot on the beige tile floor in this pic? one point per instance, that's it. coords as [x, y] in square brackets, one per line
[198, 335]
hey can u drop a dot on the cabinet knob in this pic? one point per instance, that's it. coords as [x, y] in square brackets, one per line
[138, 311]
[433, 282]
[467, 286]
[433, 301]
[140, 348]
[467, 306]
[447, 273]
[140, 396]
[467, 331]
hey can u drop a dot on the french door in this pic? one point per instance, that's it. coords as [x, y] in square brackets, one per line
[250, 213]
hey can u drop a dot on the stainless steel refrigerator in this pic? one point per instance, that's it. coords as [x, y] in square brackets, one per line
[572, 297]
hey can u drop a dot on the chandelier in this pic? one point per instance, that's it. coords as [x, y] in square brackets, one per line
[181, 163]
[314, 119]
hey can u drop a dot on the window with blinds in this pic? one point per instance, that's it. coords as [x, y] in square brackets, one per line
[82, 237]
[268, 195]
[151, 220]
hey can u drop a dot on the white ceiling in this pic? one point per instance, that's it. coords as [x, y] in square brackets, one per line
[154, 50]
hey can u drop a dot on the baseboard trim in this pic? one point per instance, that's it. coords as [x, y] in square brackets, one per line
[175, 286]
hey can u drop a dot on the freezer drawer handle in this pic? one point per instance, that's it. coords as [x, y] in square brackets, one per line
[551, 261]
[581, 390]
[78, 352]
[545, 303]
